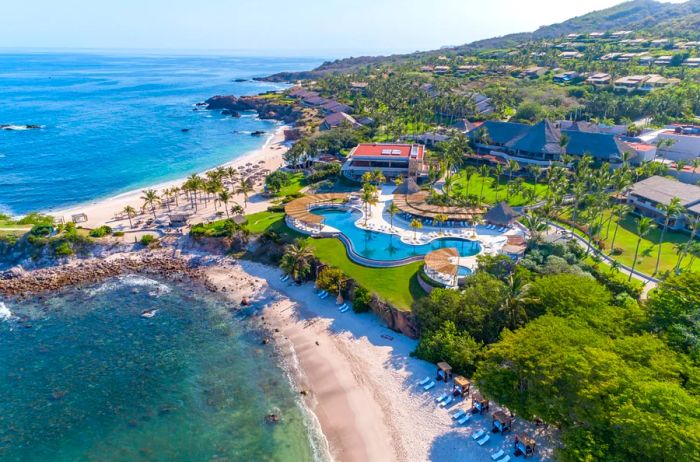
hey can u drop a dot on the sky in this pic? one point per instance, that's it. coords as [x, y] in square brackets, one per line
[323, 28]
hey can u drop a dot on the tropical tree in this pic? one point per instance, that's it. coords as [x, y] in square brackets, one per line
[224, 197]
[484, 174]
[441, 218]
[236, 209]
[392, 210]
[296, 260]
[130, 213]
[416, 225]
[644, 226]
[670, 210]
[368, 198]
[694, 225]
[512, 166]
[498, 170]
[517, 296]
[620, 212]
[150, 198]
[536, 224]
[245, 188]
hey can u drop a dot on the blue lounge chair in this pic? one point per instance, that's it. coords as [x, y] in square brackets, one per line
[497, 455]
[322, 297]
[322, 293]
[442, 397]
[478, 434]
[447, 401]
[284, 277]
[464, 419]
[424, 381]
[344, 305]
[345, 309]
[459, 414]
[483, 440]
[429, 386]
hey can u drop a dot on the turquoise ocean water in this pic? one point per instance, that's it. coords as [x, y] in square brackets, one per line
[114, 123]
[83, 377]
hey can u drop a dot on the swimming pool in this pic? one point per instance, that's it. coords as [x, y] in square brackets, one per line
[387, 247]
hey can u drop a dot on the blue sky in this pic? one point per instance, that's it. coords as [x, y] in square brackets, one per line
[274, 27]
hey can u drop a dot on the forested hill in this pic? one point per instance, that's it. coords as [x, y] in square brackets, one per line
[669, 19]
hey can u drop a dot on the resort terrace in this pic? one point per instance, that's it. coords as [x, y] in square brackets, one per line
[298, 211]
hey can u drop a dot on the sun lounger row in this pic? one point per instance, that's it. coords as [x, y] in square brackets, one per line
[284, 278]
[499, 454]
[344, 307]
[323, 294]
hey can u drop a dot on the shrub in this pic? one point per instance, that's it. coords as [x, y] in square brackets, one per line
[331, 279]
[41, 230]
[361, 300]
[276, 208]
[451, 345]
[102, 231]
[118, 233]
[36, 219]
[148, 239]
[277, 180]
[61, 248]
[616, 251]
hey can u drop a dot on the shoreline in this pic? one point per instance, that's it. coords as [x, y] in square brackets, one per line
[102, 211]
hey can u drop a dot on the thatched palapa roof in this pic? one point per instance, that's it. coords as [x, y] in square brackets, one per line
[442, 260]
[501, 214]
[299, 208]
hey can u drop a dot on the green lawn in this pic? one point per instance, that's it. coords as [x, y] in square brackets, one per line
[477, 180]
[259, 222]
[399, 286]
[646, 260]
[297, 182]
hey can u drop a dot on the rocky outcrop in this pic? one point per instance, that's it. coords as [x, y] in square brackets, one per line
[265, 107]
[395, 319]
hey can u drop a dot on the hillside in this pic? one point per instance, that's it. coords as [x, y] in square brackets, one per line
[677, 19]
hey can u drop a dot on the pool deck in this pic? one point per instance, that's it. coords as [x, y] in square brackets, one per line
[379, 220]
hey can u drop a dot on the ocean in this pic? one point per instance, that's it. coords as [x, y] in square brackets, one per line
[114, 123]
[84, 377]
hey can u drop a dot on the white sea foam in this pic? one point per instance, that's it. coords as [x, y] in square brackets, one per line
[132, 280]
[15, 127]
[5, 313]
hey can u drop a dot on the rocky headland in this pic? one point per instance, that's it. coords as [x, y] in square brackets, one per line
[265, 107]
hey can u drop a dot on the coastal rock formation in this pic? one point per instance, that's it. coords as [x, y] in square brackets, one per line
[288, 113]
[10, 127]
[21, 284]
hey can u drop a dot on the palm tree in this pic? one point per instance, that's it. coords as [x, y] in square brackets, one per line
[369, 198]
[130, 213]
[499, 171]
[441, 218]
[469, 172]
[296, 260]
[392, 210]
[694, 224]
[245, 188]
[517, 295]
[536, 224]
[619, 211]
[224, 197]
[236, 209]
[513, 166]
[416, 225]
[483, 173]
[150, 198]
[672, 209]
[644, 226]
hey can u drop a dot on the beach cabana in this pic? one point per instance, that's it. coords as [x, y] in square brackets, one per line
[461, 386]
[444, 371]
[501, 422]
[480, 404]
[79, 218]
[178, 220]
[524, 445]
[501, 214]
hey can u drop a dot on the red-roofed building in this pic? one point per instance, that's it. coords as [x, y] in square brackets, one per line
[392, 159]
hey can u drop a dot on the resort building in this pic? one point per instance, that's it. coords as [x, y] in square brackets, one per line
[547, 141]
[394, 160]
[566, 77]
[647, 196]
[599, 79]
[679, 143]
[692, 62]
[570, 55]
[332, 107]
[339, 119]
[644, 83]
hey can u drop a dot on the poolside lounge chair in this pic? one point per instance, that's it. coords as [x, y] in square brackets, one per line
[498, 454]
[323, 297]
[323, 292]
[344, 305]
[483, 440]
[505, 459]
[464, 419]
[447, 401]
[429, 386]
[345, 309]
[424, 381]
[459, 414]
[284, 278]
[442, 397]
[478, 434]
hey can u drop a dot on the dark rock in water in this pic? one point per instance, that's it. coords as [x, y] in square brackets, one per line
[195, 109]
[240, 80]
[257, 133]
[185, 130]
[58, 394]
[201, 103]
[272, 418]
[230, 112]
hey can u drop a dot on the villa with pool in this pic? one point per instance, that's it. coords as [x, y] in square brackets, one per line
[379, 239]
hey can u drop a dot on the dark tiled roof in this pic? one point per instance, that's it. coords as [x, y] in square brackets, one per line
[662, 190]
[501, 132]
[501, 214]
[601, 146]
[542, 137]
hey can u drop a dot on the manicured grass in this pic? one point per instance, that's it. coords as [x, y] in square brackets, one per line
[399, 286]
[297, 182]
[259, 222]
[460, 184]
[646, 260]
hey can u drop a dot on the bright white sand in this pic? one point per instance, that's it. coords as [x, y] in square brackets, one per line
[104, 211]
[361, 381]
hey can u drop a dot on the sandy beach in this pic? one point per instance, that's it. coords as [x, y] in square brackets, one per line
[107, 211]
[359, 379]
